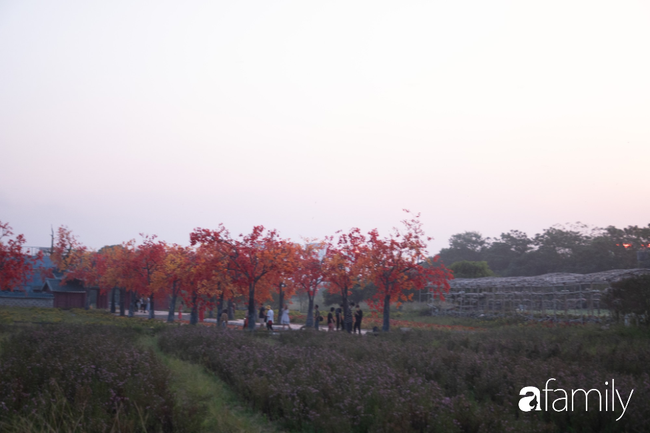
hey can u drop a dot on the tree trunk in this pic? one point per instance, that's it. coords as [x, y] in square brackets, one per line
[172, 307]
[386, 326]
[122, 306]
[152, 314]
[194, 315]
[251, 307]
[211, 312]
[113, 300]
[310, 312]
[281, 298]
[131, 304]
[347, 313]
[219, 307]
[231, 310]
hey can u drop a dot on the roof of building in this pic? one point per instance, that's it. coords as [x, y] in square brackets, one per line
[55, 285]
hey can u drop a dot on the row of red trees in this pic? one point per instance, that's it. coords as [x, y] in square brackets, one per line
[217, 268]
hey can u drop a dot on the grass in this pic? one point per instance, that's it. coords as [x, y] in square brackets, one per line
[218, 409]
[202, 402]
[76, 316]
[438, 380]
[430, 381]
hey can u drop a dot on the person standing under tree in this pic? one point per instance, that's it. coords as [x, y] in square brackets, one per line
[224, 320]
[262, 316]
[269, 318]
[284, 320]
[330, 320]
[358, 316]
[317, 317]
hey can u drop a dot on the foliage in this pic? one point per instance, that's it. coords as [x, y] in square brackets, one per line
[249, 260]
[69, 253]
[343, 267]
[467, 269]
[394, 266]
[15, 265]
[307, 274]
[469, 245]
[630, 296]
[572, 248]
[357, 294]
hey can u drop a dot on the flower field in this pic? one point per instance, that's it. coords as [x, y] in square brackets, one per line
[88, 377]
[75, 371]
[422, 381]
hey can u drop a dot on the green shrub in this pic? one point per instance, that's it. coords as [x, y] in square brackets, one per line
[630, 296]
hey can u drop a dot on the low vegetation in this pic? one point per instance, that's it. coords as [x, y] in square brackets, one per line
[89, 371]
[74, 371]
[424, 381]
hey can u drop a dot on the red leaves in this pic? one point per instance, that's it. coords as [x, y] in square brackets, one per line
[399, 263]
[308, 273]
[15, 266]
[251, 262]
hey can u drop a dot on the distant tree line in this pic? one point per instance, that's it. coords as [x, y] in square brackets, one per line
[575, 248]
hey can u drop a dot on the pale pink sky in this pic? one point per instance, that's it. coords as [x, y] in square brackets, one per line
[133, 116]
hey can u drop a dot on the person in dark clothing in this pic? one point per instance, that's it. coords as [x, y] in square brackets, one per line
[358, 316]
[262, 316]
[317, 318]
[339, 317]
[330, 320]
[269, 318]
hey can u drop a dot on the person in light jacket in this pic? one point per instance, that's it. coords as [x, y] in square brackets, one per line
[284, 320]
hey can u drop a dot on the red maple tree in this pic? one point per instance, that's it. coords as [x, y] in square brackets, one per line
[343, 267]
[145, 260]
[399, 263]
[16, 266]
[69, 255]
[308, 275]
[249, 259]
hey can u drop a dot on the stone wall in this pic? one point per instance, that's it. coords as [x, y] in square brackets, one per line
[27, 302]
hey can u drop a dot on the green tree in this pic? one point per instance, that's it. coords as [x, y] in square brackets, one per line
[505, 252]
[464, 246]
[467, 269]
[630, 296]
[359, 293]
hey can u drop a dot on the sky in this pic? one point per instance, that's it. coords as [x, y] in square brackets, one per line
[126, 117]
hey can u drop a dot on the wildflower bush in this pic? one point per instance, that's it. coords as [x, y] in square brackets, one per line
[306, 388]
[83, 378]
[424, 381]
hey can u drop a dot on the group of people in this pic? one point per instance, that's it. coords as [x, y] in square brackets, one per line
[266, 316]
[335, 317]
[142, 304]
